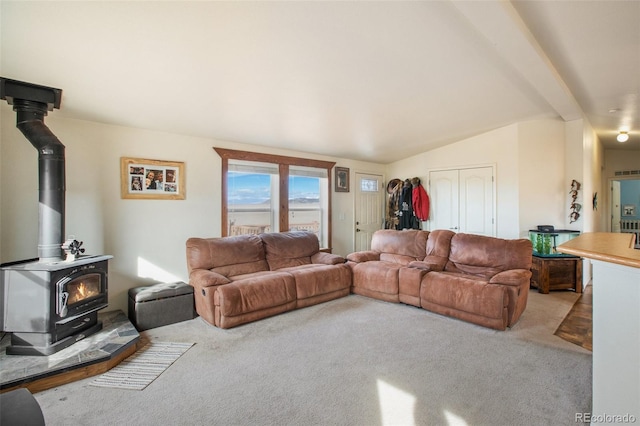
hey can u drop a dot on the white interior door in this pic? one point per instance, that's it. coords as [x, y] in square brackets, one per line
[476, 201]
[615, 206]
[370, 198]
[444, 200]
[462, 200]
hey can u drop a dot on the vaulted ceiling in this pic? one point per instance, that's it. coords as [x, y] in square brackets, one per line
[374, 81]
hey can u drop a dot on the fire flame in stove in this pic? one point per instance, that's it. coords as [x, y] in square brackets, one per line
[82, 290]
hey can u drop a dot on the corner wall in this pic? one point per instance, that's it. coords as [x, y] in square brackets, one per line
[497, 147]
[146, 237]
[529, 159]
[541, 158]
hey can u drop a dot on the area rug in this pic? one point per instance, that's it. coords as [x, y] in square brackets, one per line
[143, 367]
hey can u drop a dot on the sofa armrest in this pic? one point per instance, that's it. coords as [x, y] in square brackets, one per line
[203, 278]
[425, 266]
[363, 256]
[327, 258]
[511, 277]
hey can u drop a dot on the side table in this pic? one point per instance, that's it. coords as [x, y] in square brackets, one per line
[556, 273]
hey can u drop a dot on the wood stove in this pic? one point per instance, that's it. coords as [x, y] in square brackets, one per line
[50, 302]
[49, 306]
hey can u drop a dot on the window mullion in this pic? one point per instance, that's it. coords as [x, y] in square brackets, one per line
[224, 218]
[284, 197]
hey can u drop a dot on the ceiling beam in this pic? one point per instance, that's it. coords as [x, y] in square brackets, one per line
[501, 25]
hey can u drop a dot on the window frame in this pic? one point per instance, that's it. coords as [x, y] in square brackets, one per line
[283, 162]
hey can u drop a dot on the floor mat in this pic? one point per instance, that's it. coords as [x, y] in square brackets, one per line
[143, 367]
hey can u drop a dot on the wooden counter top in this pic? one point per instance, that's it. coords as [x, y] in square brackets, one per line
[604, 246]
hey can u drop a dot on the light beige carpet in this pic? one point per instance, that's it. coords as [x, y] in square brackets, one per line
[352, 361]
[543, 316]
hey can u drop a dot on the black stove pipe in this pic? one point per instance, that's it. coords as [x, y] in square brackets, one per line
[51, 170]
[31, 103]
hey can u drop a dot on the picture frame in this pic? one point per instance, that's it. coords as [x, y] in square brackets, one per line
[342, 179]
[142, 178]
[628, 210]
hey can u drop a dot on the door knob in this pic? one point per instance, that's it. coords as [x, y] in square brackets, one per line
[357, 230]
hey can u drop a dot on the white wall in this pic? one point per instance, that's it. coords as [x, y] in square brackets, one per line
[619, 160]
[543, 187]
[529, 160]
[574, 169]
[497, 147]
[593, 159]
[343, 214]
[18, 193]
[146, 237]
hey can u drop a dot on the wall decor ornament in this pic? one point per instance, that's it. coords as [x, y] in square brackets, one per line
[342, 179]
[142, 178]
[628, 210]
[575, 206]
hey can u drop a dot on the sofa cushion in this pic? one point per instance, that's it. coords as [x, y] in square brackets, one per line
[315, 279]
[377, 276]
[400, 246]
[255, 292]
[287, 249]
[486, 256]
[228, 256]
[397, 258]
[363, 256]
[466, 293]
[438, 248]
[327, 258]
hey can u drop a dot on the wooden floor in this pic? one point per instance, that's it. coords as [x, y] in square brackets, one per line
[577, 325]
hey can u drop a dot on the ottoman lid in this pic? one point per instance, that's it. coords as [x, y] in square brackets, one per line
[159, 291]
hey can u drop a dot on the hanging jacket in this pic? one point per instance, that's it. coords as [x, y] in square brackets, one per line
[394, 188]
[420, 200]
[407, 218]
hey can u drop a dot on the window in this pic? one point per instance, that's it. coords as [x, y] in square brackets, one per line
[252, 197]
[271, 193]
[368, 185]
[307, 195]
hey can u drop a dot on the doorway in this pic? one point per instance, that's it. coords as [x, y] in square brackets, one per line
[624, 206]
[369, 200]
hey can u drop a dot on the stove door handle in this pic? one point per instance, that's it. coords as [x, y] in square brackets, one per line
[64, 296]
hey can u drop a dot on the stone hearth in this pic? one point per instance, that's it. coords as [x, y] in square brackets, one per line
[90, 356]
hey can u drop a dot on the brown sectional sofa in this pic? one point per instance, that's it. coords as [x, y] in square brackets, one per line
[245, 278]
[474, 278]
[249, 277]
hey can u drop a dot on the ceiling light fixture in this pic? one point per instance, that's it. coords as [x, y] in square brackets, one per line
[623, 136]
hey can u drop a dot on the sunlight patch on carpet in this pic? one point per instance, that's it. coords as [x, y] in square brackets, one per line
[143, 367]
[396, 405]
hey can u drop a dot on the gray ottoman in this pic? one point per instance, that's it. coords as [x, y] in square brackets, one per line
[160, 304]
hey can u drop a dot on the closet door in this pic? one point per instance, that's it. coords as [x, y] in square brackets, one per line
[476, 201]
[444, 201]
[462, 200]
